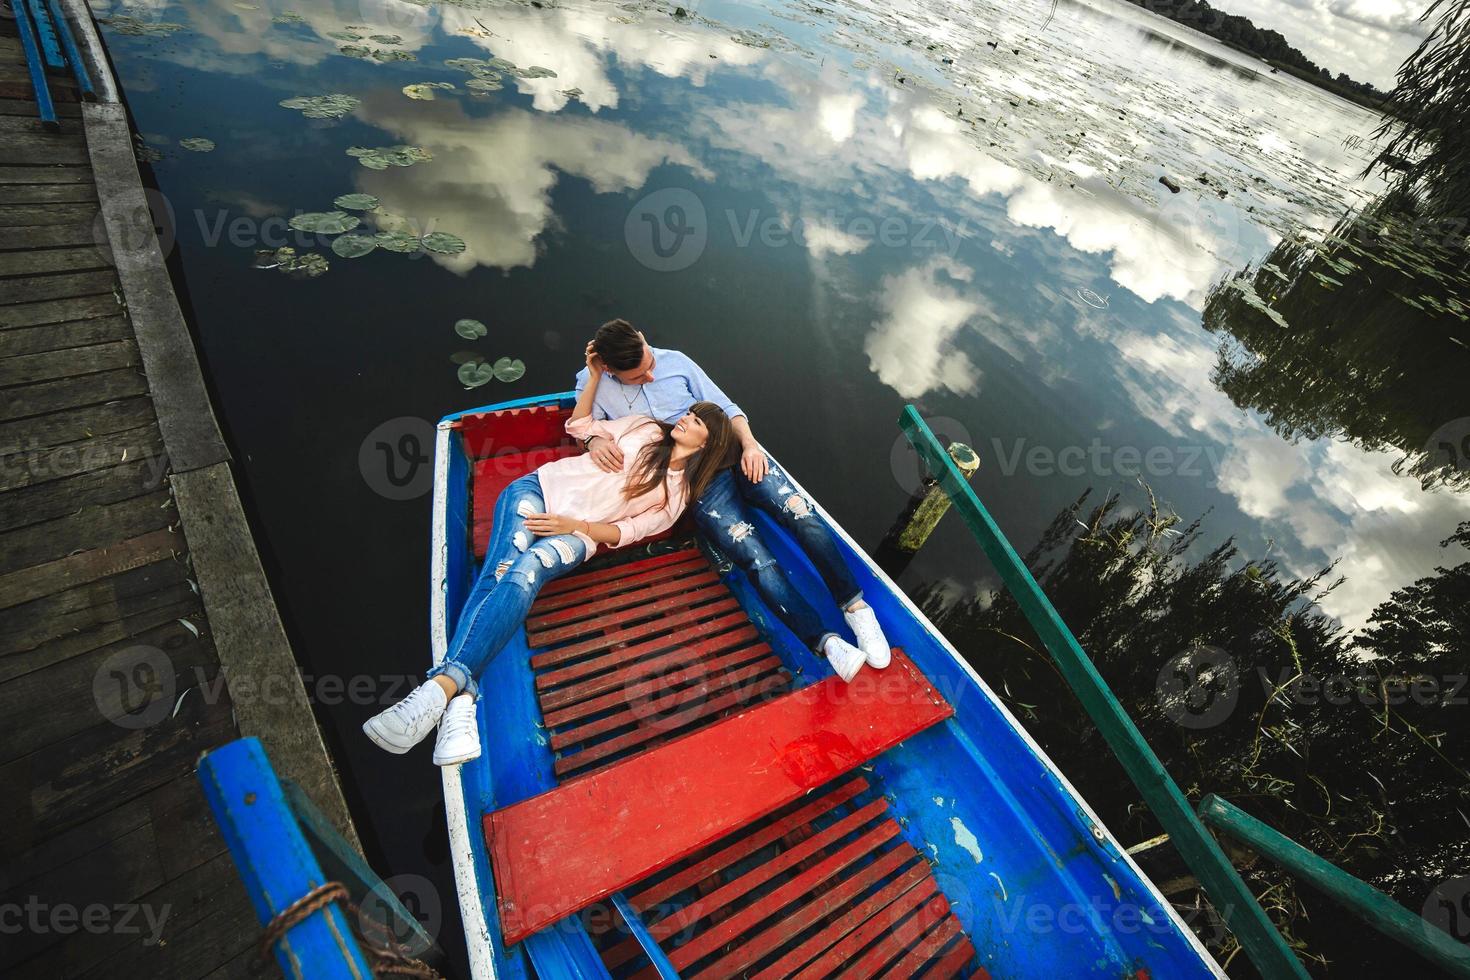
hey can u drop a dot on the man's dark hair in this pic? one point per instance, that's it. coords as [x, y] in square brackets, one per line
[619, 345]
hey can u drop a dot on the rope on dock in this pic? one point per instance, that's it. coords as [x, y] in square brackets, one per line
[385, 954]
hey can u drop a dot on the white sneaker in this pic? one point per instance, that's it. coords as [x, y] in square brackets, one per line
[845, 658]
[864, 625]
[404, 725]
[459, 734]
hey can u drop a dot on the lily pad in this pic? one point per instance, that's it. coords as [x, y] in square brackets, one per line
[354, 245]
[333, 106]
[383, 157]
[398, 241]
[299, 266]
[478, 84]
[288, 17]
[444, 243]
[395, 56]
[344, 36]
[470, 329]
[355, 51]
[356, 202]
[474, 374]
[506, 369]
[325, 222]
[424, 91]
[198, 144]
[535, 71]
[386, 38]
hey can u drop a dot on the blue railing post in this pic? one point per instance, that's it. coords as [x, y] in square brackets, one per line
[1229, 894]
[276, 863]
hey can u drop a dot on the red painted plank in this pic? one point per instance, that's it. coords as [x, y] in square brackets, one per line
[759, 945]
[638, 684]
[954, 962]
[672, 724]
[723, 897]
[556, 853]
[613, 574]
[657, 712]
[892, 945]
[627, 664]
[513, 429]
[614, 613]
[854, 917]
[607, 641]
[579, 588]
[745, 846]
[924, 950]
[777, 899]
[845, 949]
[597, 608]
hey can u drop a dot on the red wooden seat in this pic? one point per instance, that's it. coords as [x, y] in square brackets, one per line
[559, 852]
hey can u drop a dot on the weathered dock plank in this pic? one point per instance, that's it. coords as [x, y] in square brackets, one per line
[121, 536]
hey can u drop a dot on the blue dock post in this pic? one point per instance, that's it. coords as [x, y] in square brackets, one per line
[72, 52]
[276, 863]
[37, 69]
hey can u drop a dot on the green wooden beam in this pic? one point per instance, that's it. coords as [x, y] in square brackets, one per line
[1229, 894]
[1358, 897]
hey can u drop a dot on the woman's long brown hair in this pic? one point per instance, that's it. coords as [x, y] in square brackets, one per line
[652, 466]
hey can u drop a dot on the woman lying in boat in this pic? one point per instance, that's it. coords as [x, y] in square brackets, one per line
[545, 524]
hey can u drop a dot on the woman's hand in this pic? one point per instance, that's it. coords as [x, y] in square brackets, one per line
[544, 525]
[753, 463]
[595, 367]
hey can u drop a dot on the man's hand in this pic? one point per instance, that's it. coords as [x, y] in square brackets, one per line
[543, 525]
[606, 454]
[753, 463]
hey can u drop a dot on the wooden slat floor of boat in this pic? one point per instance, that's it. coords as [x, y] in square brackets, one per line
[96, 814]
[825, 887]
[628, 657]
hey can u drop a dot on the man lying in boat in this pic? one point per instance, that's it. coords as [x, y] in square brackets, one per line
[546, 523]
[664, 384]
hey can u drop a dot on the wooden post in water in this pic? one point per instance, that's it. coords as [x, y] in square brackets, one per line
[921, 514]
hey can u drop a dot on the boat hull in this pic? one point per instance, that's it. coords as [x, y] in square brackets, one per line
[1038, 883]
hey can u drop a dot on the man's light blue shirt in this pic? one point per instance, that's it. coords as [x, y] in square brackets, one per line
[677, 384]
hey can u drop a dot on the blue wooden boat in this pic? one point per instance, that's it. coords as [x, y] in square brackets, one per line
[672, 785]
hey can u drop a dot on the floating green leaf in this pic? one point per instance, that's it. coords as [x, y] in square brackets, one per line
[356, 202]
[355, 51]
[197, 144]
[354, 245]
[424, 91]
[509, 370]
[444, 243]
[288, 17]
[397, 241]
[345, 36]
[473, 374]
[470, 329]
[287, 260]
[383, 157]
[325, 222]
[333, 106]
[386, 38]
[395, 56]
[478, 84]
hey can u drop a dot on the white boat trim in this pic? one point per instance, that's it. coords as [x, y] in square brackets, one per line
[471, 908]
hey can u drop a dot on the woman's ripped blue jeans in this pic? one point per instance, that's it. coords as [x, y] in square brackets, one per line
[517, 564]
[723, 517]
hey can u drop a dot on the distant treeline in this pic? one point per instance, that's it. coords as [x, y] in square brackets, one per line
[1239, 32]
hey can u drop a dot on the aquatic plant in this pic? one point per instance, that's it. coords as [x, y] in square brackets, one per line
[443, 242]
[356, 202]
[470, 329]
[333, 106]
[325, 222]
[424, 91]
[354, 245]
[197, 144]
[383, 157]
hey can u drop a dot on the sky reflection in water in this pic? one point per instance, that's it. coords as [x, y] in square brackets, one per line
[987, 238]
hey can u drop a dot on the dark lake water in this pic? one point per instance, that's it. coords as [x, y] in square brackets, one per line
[836, 209]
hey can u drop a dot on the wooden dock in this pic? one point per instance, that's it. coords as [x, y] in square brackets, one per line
[130, 588]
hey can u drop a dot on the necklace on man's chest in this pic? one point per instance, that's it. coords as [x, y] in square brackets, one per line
[629, 399]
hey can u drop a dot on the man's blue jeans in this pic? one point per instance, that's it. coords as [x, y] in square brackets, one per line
[722, 517]
[517, 564]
